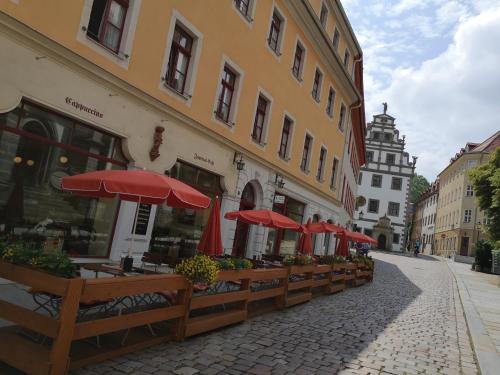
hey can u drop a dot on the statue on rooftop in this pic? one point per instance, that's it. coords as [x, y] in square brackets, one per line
[385, 107]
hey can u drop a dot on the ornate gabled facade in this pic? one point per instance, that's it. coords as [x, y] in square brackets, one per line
[384, 182]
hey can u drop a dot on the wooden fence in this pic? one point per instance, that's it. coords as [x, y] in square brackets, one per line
[90, 320]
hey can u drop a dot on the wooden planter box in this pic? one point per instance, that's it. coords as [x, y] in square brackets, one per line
[350, 273]
[321, 285]
[299, 291]
[337, 278]
[235, 314]
[276, 295]
[65, 347]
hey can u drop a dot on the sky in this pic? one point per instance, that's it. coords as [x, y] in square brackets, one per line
[437, 65]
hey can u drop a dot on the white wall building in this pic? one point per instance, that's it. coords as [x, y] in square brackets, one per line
[429, 217]
[384, 184]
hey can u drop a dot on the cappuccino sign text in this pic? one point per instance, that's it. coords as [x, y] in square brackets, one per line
[203, 158]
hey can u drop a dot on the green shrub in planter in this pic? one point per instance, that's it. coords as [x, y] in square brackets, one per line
[225, 264]
[242, 264]
[30, 255]
[483, 254]
[331, 259]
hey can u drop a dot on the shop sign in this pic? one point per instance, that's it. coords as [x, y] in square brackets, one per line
[203, 158]
[279, 199]
[83, 108]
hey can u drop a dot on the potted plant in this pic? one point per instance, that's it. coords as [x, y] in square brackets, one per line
[201, 270]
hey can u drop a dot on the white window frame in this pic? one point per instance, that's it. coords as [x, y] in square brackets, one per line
[341, 125]
[322, 174]
[251, 12]
[467, 216]
[470, 191]
[344, 62]
[289, 146]
[269, 98]
[336, 45]
[281, 38]
[122, 58]
[332, 114]
[389, 206]
[368, 206]
[309, 153]
[324, 6]
[186, 97]
[320, 86]
[240, 74]
[300, 80]
[334, 183]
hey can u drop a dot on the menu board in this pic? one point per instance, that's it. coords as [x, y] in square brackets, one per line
[141, 226]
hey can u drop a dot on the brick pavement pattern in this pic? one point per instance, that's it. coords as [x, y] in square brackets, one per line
[408, 321]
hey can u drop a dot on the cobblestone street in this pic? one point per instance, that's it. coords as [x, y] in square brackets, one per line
[409, 321]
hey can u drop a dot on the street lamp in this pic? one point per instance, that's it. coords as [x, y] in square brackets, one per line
[278, 181]
[240, 164]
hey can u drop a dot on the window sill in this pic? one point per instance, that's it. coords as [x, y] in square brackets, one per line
[276, 53]
[285, 159]
[118, 55]
[298, 78]
[316, 99]
[180, 94]
[260, 144]
[305, 171]
[229, 124]
[320, 180]
[246, 16]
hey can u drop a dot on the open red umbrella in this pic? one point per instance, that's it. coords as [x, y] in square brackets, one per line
[211, 242]
[305, 241]
[323, 227]
[266, 218]
[343, 245]
[136, 186]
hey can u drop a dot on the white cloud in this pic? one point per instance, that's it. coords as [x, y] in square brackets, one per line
[448, 100]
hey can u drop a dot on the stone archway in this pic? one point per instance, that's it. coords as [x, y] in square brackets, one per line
[383, 232]
[382, 241]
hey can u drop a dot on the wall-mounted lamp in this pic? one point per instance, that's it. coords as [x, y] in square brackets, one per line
[278, 181]
[240, 164]
[361, 214]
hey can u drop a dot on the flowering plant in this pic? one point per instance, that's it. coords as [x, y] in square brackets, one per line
[29, 254]
[299, 260]
[199, 269]
[331, 259]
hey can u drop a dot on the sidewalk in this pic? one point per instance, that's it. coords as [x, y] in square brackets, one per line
[480, 295]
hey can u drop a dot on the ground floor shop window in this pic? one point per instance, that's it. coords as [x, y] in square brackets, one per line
[37, 149]
[284, 242]
[177, 231]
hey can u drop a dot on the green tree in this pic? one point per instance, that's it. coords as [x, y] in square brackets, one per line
[418, 184]
[486, 181]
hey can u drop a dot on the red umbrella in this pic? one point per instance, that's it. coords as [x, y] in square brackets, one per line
[266, 218]
[323, 227]
[136, 186]
[305, 242]
[343, 246]
[211, 242]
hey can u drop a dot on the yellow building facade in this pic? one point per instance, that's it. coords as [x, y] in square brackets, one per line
[459, 221]
[253, 101]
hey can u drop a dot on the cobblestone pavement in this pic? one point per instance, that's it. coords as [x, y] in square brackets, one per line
[408, 321]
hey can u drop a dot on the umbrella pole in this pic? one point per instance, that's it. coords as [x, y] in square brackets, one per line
[134, 226]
